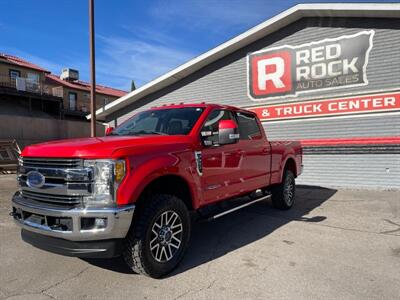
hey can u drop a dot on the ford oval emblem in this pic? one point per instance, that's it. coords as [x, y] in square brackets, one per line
[35, 179]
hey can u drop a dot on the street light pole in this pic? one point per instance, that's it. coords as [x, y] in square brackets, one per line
[92, 70]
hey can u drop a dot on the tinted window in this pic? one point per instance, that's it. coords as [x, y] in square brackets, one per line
[248, 126]
[161, 121]
[211, 125]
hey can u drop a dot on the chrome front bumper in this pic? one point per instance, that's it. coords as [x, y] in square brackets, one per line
[118, 220]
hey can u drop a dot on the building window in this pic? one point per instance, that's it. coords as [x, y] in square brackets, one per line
[32, 82]
[33, 77]
[72, 99]
[105, 101]
[14, 73]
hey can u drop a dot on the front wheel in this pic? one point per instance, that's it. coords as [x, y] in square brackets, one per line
[159, 237]
[283, 195]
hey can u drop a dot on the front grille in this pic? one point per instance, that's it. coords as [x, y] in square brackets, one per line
[66, 181]
[52, 199]
[62, 163]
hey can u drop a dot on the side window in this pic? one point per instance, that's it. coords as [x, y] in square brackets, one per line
[14, 74]
[33, 77]
[211, 124]
[248, 126]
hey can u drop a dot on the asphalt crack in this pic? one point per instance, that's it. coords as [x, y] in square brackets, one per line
[390, 232]
[394, 230]
[65, 280]
[45, 291]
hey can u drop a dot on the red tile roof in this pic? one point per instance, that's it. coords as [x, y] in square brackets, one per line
[21, 62]
[84, 86]
[77, 84]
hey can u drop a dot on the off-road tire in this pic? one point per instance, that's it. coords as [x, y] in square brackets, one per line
[136, 250]
[283, 195]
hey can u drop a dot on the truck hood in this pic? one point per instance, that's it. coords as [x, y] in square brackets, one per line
[104, 147]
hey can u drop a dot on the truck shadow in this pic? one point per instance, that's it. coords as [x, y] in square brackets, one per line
[211, 240]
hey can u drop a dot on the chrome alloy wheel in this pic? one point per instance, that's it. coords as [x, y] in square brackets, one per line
[166, 236]
[288, 191]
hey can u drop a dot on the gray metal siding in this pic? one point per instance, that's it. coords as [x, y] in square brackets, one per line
[225, 81]
[366, 126]
[364, 170]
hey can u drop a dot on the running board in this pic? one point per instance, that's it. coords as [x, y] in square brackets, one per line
[239, 207]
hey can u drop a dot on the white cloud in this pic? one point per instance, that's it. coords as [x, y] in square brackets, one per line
[119, 60]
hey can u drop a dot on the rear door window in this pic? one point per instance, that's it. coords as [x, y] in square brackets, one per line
[248, 126]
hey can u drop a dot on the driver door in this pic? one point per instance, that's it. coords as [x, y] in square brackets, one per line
[221, 164]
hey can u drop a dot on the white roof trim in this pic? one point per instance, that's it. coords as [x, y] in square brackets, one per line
[374, 10]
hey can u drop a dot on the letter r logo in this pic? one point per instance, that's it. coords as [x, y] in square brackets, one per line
[270, 74]
[274, 76]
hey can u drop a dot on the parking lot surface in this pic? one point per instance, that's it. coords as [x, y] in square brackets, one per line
[334, 244]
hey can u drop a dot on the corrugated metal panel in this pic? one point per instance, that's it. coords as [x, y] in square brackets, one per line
[377, 171]
[225, 81]
[352, 149]
[387, 125]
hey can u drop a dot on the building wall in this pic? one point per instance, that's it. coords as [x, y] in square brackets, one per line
[371, 125]
[225, 82]
[83, 98]
[355, 170]
[5, 68]
[42, 129]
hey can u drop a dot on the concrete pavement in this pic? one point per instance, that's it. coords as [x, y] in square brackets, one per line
[334, 244]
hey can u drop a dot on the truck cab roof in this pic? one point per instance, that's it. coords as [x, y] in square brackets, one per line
[202, 105]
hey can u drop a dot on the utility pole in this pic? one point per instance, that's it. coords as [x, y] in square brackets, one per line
[92, 70]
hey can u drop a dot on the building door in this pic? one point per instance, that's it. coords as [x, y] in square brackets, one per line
[32, 82]
[14, 74]
[72, 98]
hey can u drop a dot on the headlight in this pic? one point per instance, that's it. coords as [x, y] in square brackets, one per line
[107, 174]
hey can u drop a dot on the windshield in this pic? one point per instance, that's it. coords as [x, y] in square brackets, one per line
[172, 121]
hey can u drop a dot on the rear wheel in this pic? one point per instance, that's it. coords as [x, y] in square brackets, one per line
[159, 236]
[283, 195]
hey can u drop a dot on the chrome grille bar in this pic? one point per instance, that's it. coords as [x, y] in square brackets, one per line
[76, 174]
[66, 182]
[52, 198]
[66, 188]
[51, 162]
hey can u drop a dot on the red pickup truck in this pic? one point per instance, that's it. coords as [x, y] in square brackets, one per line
[135, 191]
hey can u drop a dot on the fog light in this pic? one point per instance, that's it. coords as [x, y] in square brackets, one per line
[93, 223]
[100, 223]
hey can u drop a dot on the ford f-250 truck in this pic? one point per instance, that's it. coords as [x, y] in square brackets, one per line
[135, 191]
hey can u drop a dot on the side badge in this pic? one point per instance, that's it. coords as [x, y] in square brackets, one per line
[199, 162]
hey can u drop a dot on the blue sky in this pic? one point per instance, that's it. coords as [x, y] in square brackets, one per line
[138, 40]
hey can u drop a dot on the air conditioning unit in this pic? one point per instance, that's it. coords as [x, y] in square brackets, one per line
[69, 74]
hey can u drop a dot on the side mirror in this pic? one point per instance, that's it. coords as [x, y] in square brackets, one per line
[227, 132]
[109, 130]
